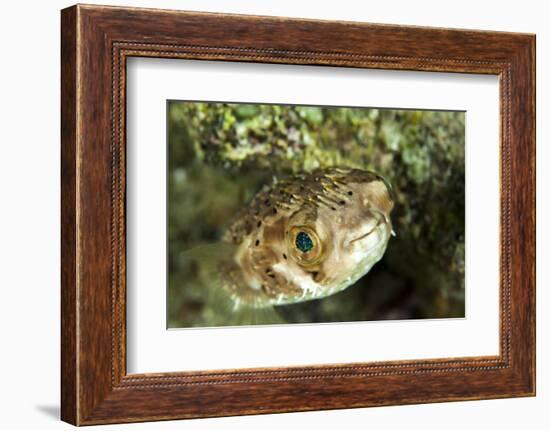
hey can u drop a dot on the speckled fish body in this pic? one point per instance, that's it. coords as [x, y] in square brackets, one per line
[308, 237]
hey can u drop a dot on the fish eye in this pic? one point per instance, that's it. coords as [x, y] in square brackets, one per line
[305, 245]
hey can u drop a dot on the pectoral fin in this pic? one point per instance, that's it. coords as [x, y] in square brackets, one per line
[224, 304]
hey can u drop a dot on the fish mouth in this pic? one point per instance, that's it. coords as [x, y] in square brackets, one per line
[359, 238]
[380, 219]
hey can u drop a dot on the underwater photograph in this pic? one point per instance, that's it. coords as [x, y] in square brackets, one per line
[293, 214]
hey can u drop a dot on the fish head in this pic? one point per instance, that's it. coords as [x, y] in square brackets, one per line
[312, 236]
[339, 243]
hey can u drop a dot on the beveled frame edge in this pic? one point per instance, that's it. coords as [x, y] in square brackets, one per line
[96, 41]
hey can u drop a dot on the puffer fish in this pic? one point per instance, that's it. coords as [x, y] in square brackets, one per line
[305, 237]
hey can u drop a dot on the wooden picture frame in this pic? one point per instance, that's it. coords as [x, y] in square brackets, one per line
[96, 41]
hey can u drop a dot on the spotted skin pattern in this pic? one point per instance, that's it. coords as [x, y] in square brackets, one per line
[308, 236]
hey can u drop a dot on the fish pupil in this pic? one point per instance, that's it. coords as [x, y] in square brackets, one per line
[304, 242]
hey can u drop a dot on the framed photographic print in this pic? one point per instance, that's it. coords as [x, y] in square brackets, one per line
[258, 208]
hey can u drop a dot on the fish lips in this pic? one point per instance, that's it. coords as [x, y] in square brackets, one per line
[371, 241]
[376, 230]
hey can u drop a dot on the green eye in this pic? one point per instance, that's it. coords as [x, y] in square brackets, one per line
[304, 243]
[305, 246]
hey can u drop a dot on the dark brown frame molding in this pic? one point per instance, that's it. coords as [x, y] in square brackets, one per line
[95, 43]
